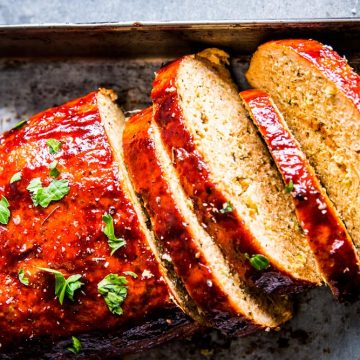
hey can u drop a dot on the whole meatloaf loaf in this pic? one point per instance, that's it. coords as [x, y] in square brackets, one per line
[319, 95]
[334, 251]
[222, 298]
[226, 170]
[75, 253]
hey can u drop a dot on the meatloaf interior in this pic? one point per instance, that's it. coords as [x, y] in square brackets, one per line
[241, 166]
[322, 118]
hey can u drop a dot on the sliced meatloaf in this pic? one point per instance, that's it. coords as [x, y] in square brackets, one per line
[223, 300]
[332, 246]
[227, 172]
[61, 172]
[319, 95]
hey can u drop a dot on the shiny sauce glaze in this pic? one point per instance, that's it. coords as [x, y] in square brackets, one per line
[170, 227]
[333, 248]
[67, 235]
[330, 63]
[231, 233]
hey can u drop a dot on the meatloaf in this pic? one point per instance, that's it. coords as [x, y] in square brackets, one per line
[334, 251]
[70, 221]
[319, 95]
[222, 298]
[227, 172]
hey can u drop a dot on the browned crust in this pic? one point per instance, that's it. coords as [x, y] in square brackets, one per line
[331, 244]
[170, 227]
[158, 327]
[229, 230]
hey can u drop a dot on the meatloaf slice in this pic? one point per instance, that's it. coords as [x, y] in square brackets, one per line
[226, 170]
[79, 140]
[222, 298]
[332, 246]
[319, 95]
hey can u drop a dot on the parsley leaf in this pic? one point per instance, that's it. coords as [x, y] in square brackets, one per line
[76, 345]
[22, 278]
[34, 186]
[54, 146]
[15, 177]
[289, 187]
[65, 287]
[54, 171]
[258, 261]
[43, 196]
[19, 124]
[113, 288]
[4, 211]
[130, 273]
[114, 242]
[227, 207]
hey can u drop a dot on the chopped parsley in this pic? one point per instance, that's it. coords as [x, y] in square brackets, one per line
[258, 261]
[54, 171]
[76, 345]
[16, 177]
[54, 146]
[19, 124]
[227, 207]
[130, 273]
[113, 288]
[4, 211]
[65, 287]
[289, 187]
[114, 242]
[43, 196]
[22, 278]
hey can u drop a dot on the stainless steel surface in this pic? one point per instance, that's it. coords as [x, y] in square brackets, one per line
[85, 11]
[68, 62]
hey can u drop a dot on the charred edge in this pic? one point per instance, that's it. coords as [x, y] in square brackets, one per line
[160, 326]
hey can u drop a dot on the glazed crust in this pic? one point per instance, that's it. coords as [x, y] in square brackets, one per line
[171, 229]
[332, 246]
[67, 235]
[329, 62]
[229, 230]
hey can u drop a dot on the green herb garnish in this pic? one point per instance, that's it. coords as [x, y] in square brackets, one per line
[19, 124]
[43, 196]
[16, 177]
[289, 187]
[54, 146]
[130, 273]
[76, 345]
[65, 287]
[114, 242]
[4, 211]
[258, 261]
[22, 278]
[227, 207]
[113, 288]
[54, 171]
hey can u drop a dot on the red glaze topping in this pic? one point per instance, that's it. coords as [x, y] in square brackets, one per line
[334, 251]
[231, 233]
[67, 235]
[170, 226]
[330, 63]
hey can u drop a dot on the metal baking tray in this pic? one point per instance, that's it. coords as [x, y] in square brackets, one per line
[44, 66]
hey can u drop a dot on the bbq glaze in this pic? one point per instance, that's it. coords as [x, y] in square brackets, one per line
[330, 63]
[229, 230]
[67, 235]
[170, 227]
[332, 246]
